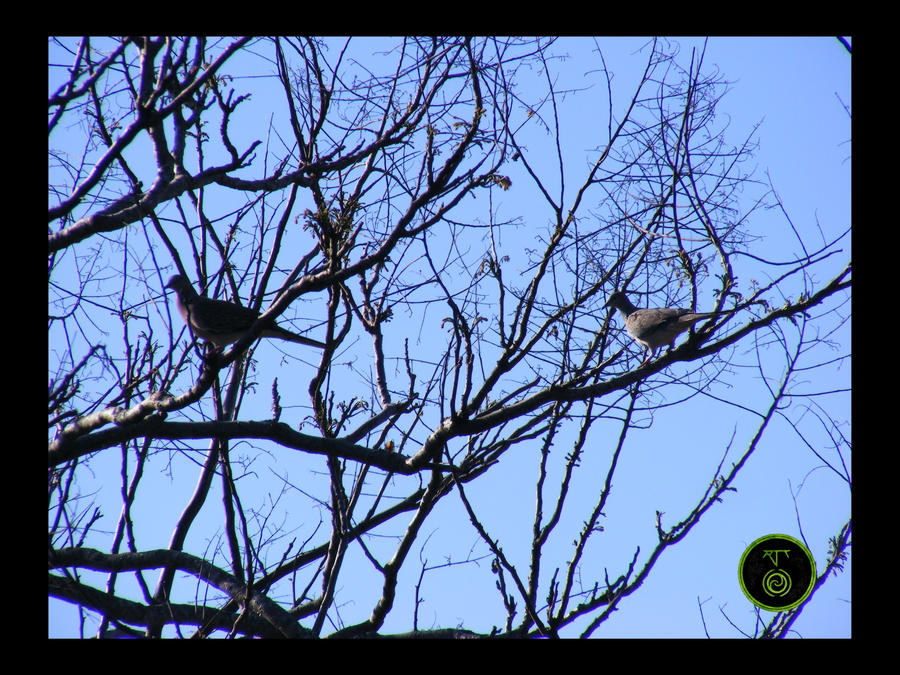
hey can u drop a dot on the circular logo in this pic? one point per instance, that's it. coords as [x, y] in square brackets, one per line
[777, 572]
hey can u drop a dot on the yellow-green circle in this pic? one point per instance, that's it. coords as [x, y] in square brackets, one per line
[778, 608]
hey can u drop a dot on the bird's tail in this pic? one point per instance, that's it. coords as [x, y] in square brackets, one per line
[300, 339]
[285, 334]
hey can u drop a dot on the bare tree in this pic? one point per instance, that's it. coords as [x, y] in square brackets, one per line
[458, 335]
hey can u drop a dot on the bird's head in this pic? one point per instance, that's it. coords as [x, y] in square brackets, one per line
[177, 282]
[615, 300]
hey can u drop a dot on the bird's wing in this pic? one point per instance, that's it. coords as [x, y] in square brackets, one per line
[645, 323]
[220, 317]
[658, 327]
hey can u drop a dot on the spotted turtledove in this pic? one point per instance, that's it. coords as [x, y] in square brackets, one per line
[222, 322]
[654, 328]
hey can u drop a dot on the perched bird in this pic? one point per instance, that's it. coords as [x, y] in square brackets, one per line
[222, 322]
[654, 328]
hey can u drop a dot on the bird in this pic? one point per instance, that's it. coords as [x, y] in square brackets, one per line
[221, 322]
[654, 328]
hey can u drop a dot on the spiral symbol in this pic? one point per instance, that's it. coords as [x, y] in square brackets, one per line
[776, 582]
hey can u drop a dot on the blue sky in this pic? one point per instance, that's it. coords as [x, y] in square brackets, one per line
[796, 90]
